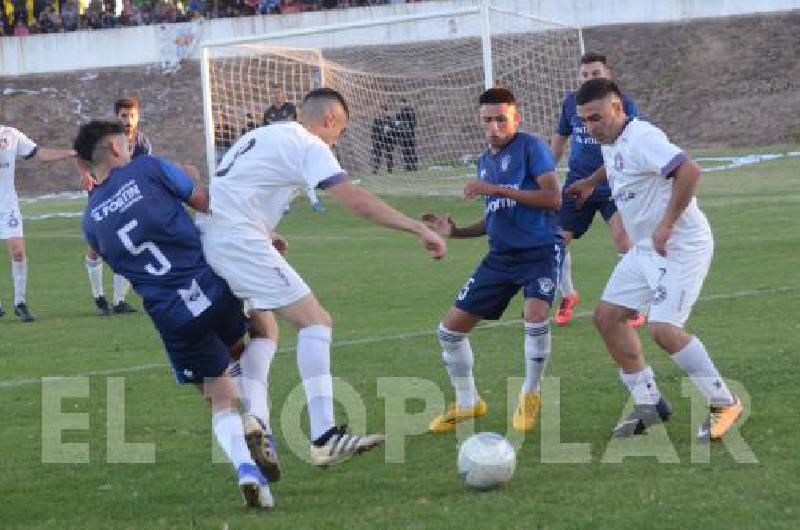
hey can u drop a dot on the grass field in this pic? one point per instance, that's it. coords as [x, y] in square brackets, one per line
[386, 297]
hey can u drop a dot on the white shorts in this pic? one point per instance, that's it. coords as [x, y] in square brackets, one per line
[671, 285]
[256, 272]
[10, 222]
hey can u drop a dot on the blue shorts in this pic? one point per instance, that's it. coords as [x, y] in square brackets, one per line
[578, 220]
[499, 277]
[199, 348]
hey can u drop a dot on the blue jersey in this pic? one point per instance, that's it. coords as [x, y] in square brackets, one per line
[136, 221]
[585, 156]
[512, 227]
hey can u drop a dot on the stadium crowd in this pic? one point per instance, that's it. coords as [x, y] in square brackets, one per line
[26, 17]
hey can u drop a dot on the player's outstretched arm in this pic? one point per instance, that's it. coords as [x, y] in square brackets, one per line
[444, 225]
[364, 204]
[685, 179]
[54, 155]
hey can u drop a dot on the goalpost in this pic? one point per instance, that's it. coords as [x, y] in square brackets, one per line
[411, 82]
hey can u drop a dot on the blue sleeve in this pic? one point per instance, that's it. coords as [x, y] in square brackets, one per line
[563, 128]
[176, 181]
[540, 159]
[630, 107]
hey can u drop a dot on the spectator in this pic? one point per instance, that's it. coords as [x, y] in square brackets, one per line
[46, 24]
[383, 136]
[107, 19]
[406, 124]
[69, 15]
[21, 29]
[280, 110]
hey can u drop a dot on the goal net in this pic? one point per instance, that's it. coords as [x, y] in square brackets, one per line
[411, 82]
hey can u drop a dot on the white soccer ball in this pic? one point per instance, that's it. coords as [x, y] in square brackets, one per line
[486, 460]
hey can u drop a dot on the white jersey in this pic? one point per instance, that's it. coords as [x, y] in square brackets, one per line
[638, 165]
[13, 145]
[261, 173]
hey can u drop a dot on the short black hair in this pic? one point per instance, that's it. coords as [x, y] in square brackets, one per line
[91, 133]
[596, 89]
[328, 93]
[593, 57]
[125, 103]
[497, 96]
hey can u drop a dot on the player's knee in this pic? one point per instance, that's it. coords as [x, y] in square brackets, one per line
[92, 255]
[669, 337]
[605, 318]
[18, 255]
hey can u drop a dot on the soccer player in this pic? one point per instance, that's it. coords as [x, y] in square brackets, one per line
[584, 159]
[653, 183]
[13, 145]
[516, 177]
[135, 220]
[255, 180]
[127, 112]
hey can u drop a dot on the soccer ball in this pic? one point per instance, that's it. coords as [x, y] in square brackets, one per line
[486, 460]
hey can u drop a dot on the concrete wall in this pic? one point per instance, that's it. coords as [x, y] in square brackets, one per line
[146, 45]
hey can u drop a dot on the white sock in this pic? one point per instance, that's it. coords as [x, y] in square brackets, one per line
[121, 286]
[229, 432]
[642, 386]
[694, 359]
[457, 357]
[314, 364]
[254, 365]
[566, 286]
[537, 352]
[94, 268]
[19, 271]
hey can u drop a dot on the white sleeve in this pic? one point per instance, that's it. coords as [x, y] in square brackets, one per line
[660, 155]
[319, 164]
[25, 146]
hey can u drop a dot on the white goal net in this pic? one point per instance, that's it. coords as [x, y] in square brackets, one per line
[411, 82]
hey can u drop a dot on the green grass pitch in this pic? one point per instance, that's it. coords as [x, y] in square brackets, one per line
[386, 297]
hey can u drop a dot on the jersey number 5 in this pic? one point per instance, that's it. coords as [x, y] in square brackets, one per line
[164, 265]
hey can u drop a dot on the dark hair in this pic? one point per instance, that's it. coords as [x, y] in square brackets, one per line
[497, 96]
[125, 103]
[91, 133]
[596, 89]
[593, 57]
[328, 93]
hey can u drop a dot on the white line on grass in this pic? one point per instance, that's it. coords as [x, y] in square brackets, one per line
[13, 383]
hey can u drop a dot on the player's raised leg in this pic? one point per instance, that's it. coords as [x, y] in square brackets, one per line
[650, 407]
[569, 295]
[330, 444]
[453, 332]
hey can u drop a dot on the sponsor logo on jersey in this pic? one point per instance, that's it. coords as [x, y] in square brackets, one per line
[124, 198]
[624, 195]
[483, 174]
[3, 143]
